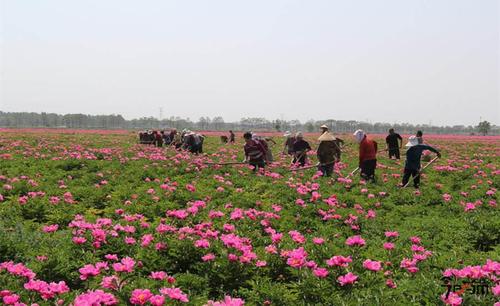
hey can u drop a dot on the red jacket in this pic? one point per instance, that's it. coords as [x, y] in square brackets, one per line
[367, 150]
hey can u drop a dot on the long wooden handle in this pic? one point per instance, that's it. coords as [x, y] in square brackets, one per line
[422, 170]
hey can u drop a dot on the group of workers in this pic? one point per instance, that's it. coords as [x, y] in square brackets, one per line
[329, 152]
[188, 140]
[258, 151]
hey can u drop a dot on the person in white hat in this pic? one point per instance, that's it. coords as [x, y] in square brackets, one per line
[300, 148]
[289, 141]
[413, 156]
[367, 155]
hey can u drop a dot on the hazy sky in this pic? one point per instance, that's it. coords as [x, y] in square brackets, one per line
[388, 61]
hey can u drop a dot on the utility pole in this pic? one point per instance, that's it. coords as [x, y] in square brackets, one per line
[160, 117]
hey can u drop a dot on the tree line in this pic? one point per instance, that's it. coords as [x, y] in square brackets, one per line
[82, 121]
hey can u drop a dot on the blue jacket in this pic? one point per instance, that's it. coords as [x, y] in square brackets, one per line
[414, 154]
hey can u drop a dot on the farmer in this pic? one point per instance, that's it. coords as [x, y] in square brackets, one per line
[412, 163]
[328, 152]
[158, 139]
[268, 145]
[231, 137]
[193, 142]
[367, 155]
[300, 149]
[289, 141]
[255, 152]
[393, 143]
[420, 137]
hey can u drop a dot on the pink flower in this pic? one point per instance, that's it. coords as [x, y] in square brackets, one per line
[453, 299]
[190, 188]
[320, 272]
[339, 261]
[355, 240]
[202, 243]
[125, 265]
[146, 240]
[157, 300]
[160, 275]
[10, 299]
[317, 240]
[391, 234]
[88, 270]
[415, 240]
[388, 245]
[347, 279]
[390, 283]
[208, 257]
[50, 228]
[228, 301]
[110, 282]
[140, 296]
[297, 258]
[175, 294]
[97, 297]
[496, 290]
[372, 265]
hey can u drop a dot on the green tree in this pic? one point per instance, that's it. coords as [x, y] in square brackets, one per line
[484, 127]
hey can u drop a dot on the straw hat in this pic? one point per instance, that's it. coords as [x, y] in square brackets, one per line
[299, 135]
[323, 127]
[412, 141]
[287, 134]
[326, 137]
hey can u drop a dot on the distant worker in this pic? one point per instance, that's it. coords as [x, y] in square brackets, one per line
[255, 152]
[393, 143]
[289, 141]
[328, 152]
[300, 149]
[231, 137]
[412, 163]
[193, 142]
[367, 155]
[420, 137]
[269, 144]
[158, 139]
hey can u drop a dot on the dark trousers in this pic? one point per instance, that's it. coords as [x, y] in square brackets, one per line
[416, 177]
[301, 160]
[326, 169]
[257, 164]
[368, 169]
[394, 152]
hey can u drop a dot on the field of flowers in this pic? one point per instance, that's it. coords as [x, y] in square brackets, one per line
[97, 219]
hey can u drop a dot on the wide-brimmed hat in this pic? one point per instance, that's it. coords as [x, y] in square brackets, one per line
[299, 135]
[323, 127]
[326, 137]
[287, 134]
[412, 141]
[359, 135]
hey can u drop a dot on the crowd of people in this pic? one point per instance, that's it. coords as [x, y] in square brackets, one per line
[187, 140]
[258, 150]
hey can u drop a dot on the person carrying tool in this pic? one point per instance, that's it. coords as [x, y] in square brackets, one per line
[255, 152]
[393, 143]
[412, 163]
[328, 151]
[300, 149]
[289, 141]
[367, 155]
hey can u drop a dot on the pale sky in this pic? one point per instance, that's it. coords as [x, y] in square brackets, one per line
[416, 61]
